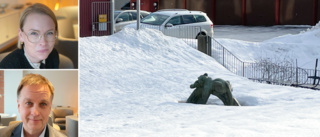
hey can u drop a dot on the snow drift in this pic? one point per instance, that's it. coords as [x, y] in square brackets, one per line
[304, 47]
[131, 83]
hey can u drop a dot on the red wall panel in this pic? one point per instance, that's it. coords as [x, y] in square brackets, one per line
[146, 5]
[85, 17]
[260, 12]
[227, 12]
[171, 4]
[296, 12]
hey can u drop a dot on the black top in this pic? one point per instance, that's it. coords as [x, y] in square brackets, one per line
[17, 60]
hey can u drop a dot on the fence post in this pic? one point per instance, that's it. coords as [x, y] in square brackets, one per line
[223, 56]
[209, 45]
[242, 69]
[315, 72]
[297, 72]
[204, 44]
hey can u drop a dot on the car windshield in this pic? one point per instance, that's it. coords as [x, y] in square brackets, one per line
[154, 19]
[116, 13]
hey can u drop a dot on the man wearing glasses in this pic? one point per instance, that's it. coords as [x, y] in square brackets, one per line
[37, 36]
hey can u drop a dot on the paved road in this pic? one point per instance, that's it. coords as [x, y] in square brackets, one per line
[256, 33]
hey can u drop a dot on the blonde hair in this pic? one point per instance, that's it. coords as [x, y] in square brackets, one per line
[36, 8]
[35, 79]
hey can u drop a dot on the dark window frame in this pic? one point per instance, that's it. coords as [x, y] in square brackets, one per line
[129, 16]
[184, 20]
[200, 16]
[181, 20]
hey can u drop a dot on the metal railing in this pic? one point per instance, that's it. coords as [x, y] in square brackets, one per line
[264, 71]
[268, 72]
[186, 33]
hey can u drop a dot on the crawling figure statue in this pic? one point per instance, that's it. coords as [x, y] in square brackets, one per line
[206, 86]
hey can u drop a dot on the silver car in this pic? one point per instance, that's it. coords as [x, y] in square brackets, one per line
[179, 23]
[125, 17]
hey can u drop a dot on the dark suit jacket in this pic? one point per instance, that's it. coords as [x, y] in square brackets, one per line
[15, 131]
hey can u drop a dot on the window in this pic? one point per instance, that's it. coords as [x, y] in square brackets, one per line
[154, 19]
[143, 14]
[116, 13]
[134, 15]
[188, 19]
[200, 18]
[175, 20]
[125, 16]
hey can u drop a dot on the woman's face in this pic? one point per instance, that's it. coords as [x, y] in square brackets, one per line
[36, 25]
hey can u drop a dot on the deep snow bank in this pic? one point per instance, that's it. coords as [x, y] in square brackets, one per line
[131, 82]
[130, 51]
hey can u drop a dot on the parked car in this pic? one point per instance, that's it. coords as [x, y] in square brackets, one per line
[125, 17]
[179, 23]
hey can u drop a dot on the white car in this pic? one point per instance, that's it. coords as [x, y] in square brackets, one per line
[179, 23]
[125, 17]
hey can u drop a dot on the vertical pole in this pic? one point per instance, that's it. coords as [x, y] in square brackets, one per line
[223, 56]
[242, 69]
[297, 72]
[315, 72]
[112, 16]
[185, 4]
[210, 46]
[277, 12]
[138, 14]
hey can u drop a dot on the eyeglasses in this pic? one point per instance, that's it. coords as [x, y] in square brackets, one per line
[35, 36]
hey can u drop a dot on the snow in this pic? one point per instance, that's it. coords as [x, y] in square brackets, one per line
[133, 82]
[302, 46]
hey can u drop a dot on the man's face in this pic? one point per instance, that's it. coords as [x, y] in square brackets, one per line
[34, 105]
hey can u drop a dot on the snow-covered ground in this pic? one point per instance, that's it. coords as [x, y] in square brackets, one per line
[131, 84]
[286, 43]
[256, 33]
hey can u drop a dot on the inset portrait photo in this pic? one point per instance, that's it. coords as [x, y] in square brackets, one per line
[36, 103]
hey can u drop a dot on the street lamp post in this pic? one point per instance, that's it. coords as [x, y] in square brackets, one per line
[138, 14]
[112, 17]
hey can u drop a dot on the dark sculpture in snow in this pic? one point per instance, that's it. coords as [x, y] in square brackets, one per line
[206, 86]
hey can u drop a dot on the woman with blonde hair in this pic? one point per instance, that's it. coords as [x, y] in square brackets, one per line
[37, 36]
